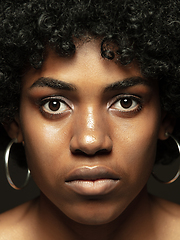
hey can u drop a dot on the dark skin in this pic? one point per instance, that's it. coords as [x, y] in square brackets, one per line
[84, 123]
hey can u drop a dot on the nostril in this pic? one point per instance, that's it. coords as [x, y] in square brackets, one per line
[78, 151]
[84, 153]
[103, 151]
[99, 152]
[91, 144]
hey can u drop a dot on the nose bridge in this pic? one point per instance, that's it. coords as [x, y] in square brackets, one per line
[90, 132]
[91, 119]
[90, 126]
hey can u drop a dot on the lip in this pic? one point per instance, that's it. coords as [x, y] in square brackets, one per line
[96, 180]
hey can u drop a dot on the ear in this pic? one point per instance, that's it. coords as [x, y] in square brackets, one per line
[166, 126]
[13, 129]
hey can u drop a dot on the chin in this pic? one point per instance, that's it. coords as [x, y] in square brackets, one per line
[95, 217]
[93, 221]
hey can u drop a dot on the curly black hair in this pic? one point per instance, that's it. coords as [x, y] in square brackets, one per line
[147, 31]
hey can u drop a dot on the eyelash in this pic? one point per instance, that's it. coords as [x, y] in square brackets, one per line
[135, 100]
[56, 99]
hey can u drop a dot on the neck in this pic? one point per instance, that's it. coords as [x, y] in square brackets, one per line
[134, 223]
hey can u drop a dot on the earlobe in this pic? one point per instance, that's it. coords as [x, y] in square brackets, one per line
[166, 126]
[13, 129]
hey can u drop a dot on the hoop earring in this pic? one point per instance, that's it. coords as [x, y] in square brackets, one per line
[7, 168]
[178, 172]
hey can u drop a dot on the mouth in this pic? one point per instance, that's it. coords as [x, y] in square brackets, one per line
[97, 180]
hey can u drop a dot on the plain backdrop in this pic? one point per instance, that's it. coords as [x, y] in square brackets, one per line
[10, 198]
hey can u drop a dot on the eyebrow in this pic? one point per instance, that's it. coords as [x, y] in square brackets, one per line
[119, 85]
[127, 82]
[53, 83]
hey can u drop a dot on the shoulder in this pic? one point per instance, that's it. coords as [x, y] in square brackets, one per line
[14, 224]
[166, 218]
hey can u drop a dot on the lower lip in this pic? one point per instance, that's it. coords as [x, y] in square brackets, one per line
[92, 187]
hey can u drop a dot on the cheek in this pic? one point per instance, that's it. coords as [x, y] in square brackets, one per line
[46, 146]
[136, 143]
[49, 157]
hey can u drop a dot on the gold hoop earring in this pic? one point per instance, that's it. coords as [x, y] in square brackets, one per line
[178, 172]
[11, 183]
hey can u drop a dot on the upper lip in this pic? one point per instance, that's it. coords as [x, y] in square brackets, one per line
[92, 173]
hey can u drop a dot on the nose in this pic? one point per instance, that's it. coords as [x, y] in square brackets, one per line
[90, 135]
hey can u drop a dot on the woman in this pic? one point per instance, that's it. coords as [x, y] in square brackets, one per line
[91, 89]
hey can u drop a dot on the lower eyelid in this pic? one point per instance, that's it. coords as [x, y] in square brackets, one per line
[55, 111]
[49, 114]
[134, 105]
[55, 98]
[53, 116]
[120, 97]
[126, 113]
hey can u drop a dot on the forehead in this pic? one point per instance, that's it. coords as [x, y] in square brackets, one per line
[85, 67]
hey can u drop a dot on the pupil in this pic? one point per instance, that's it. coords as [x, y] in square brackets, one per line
[54, 105]
[126, 103]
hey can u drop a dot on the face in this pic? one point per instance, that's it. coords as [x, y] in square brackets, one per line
[90, 129]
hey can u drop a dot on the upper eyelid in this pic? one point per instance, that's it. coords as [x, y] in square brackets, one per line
[120, 96]
[44, 100]
[52, 97]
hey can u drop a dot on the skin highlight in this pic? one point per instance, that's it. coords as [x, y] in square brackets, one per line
[94, 118]
[90, 89]
[90, 135]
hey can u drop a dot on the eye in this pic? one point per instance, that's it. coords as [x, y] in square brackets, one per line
[126, 104]
[54, 106]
